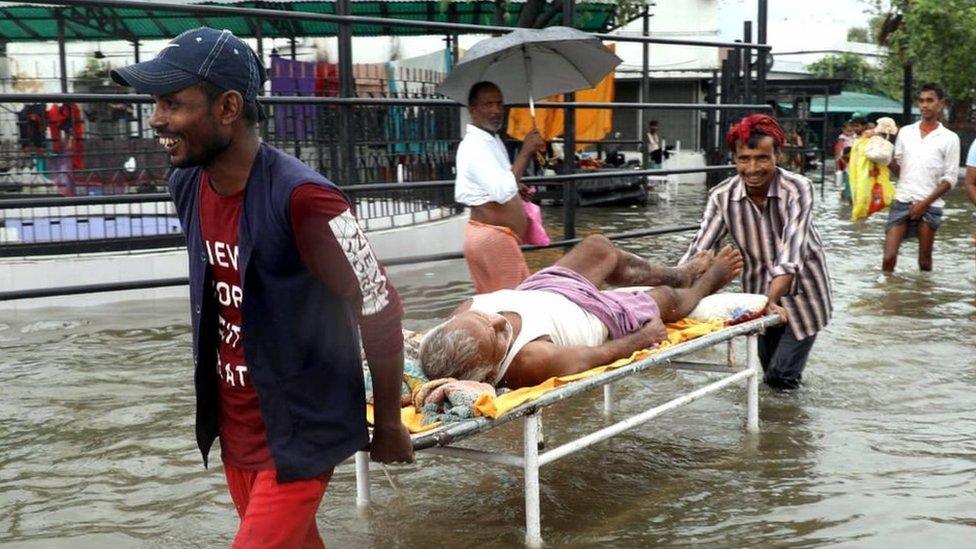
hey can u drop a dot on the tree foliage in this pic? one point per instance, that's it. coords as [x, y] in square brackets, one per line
[938, 37]
[859, 34]
[538, 14]
[861, 76]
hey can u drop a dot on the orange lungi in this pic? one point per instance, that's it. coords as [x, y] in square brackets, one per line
[494, 257]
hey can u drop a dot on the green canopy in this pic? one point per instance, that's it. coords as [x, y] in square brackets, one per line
[36, 22]
[854, 102]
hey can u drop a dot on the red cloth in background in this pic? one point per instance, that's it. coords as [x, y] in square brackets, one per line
[67, 129]
[326, 80]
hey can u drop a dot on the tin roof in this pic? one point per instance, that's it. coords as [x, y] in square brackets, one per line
[32, 22]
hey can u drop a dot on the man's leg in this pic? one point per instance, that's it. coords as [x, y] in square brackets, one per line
[893, 238]
[279, 515]
[600, 262]
[784, 369]
[675, 303]
[926, 242]
[768, 343]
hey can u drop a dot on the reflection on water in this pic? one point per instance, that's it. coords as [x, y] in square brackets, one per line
[96, 445]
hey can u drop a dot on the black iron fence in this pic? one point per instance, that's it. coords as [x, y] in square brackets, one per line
[350, 138]
[60, 225]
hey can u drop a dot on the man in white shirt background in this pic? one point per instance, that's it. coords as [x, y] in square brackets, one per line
[927, 166]
[490, 185]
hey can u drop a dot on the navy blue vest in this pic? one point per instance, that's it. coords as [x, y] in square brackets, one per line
[301, 341]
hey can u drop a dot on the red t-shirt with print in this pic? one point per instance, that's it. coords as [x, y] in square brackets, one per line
[243, 442]
[334, 249]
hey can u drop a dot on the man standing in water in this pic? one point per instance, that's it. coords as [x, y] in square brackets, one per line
[282, 280]
[927, 166]
[768, 213]
[490, 185]
[971, 180]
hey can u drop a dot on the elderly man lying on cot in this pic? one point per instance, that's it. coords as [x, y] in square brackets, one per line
[559, 322]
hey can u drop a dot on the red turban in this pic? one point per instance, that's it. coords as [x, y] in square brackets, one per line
[761, 124]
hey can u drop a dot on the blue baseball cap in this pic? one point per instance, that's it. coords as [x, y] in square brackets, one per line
[197, 55]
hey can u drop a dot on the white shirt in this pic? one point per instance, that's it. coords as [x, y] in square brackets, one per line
[653, 142]
[484, 173]
[543, 314]
[925, 162]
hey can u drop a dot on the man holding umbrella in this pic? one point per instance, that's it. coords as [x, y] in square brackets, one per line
[489, 184]
[526, 63]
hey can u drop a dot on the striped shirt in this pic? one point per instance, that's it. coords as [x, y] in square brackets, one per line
[779, 240]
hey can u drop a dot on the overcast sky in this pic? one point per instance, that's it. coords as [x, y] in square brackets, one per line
[795, 24]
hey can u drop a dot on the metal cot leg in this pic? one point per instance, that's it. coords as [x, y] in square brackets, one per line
[530, 449]
[608, 398]
[752, 386]
[362, 479]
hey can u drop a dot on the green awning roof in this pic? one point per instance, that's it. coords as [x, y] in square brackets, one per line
[854, 102]
[35, 22]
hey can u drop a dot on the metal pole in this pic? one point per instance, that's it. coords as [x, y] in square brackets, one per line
[752, 387]
[906, 95]
[823, 142]
[530, 451]
[645, 90]
[347, 144]
[761, 54]
[62, 56]
[569, 143]
[259, 36]
[747, 63]
[362, 479]
[608, 398]
[135, 53]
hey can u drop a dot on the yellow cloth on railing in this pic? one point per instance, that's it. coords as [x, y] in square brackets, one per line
[591, 124]
[678, 332]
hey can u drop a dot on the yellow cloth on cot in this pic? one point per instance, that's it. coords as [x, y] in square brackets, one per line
[863, 175]
[486, 406]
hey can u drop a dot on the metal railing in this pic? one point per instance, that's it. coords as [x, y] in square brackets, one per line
[353, 157]
[182, 281]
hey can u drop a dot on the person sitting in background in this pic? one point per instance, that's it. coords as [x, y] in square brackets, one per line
[654, 148]
[490, 185]
[558, 322]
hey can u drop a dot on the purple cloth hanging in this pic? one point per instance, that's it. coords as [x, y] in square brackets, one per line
[293, 78]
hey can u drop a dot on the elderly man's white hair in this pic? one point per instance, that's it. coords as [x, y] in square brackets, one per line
[449, 351]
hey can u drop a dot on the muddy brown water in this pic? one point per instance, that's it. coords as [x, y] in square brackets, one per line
[878, 449]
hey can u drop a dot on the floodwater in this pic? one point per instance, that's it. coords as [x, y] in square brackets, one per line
[878, 449]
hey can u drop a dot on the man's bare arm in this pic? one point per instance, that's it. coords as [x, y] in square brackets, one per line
[971, 190]
[971, 184]
[543, 359]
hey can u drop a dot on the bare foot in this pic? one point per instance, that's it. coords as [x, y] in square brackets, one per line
[726, 265]
[695, 267]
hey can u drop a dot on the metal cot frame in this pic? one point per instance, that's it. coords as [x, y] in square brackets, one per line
[441, 440]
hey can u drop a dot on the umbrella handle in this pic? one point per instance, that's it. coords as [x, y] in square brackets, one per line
[539, 157]
[528, 80]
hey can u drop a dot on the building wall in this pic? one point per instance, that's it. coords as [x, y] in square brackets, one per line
[674, 125]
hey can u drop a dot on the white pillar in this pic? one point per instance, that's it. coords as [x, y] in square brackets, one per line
[608, 398]
[362, 479]
[752, 386]
[530, 449]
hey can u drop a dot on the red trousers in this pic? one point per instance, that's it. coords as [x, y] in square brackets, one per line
[273, 515]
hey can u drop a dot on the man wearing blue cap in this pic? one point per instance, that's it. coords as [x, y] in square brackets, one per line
[282, 283]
